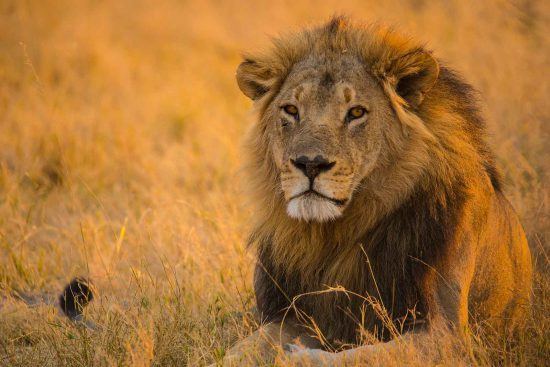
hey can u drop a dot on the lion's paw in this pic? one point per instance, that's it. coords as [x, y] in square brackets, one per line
[296, 355]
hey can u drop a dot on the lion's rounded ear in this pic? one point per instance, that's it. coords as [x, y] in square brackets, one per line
[414, 74]
[254, 78]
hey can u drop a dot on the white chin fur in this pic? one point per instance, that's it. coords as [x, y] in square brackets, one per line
[312, 208]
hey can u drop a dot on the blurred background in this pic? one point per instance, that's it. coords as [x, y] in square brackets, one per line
[120, 131]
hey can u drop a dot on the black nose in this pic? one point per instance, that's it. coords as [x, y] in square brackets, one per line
[312, 167]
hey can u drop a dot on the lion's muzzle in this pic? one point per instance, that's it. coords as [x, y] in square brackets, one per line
[309, 193]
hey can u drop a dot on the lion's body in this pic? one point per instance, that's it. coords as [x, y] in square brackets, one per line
[425, 231]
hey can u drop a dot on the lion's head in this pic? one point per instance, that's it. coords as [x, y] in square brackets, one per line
[336, 104]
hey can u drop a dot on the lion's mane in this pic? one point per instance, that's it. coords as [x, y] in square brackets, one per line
[399, 220]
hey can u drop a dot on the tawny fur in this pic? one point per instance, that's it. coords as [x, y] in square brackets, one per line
[432, 207]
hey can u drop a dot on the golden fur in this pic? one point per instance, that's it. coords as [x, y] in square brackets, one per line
[426, 230]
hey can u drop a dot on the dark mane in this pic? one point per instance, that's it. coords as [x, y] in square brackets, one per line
[392, 260]
[466, 104]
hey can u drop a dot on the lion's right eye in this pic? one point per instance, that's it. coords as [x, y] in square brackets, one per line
[291, 110]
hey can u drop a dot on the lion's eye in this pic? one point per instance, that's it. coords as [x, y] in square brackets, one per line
[356, 113]
[291, 110]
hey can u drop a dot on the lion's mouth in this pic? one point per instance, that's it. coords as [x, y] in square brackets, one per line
[312, 192]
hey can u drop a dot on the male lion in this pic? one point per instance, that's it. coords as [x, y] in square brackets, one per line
[371, 174]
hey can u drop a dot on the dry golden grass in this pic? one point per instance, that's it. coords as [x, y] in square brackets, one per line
[120, 124]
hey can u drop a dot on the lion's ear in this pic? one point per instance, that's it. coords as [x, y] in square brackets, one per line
[414, 74]
[254, 78]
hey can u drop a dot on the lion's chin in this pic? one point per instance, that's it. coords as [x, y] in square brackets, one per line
[313, 208]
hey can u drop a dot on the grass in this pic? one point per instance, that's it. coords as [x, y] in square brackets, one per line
[120, 125]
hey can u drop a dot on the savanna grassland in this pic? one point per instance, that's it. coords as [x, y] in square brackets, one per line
[120, 131]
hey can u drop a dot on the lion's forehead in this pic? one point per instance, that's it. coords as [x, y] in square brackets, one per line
[328, 87]
[325, 74]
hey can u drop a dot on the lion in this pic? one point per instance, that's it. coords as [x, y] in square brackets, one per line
[374, 188]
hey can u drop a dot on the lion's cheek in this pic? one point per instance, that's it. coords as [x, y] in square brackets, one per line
[278, 155]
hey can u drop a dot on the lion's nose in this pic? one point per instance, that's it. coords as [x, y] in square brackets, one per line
[312, 167]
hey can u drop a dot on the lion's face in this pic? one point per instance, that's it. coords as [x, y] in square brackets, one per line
[338, 115]
[326, 128]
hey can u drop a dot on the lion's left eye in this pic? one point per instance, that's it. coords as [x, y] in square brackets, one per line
[291, 110]
[356, 113]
